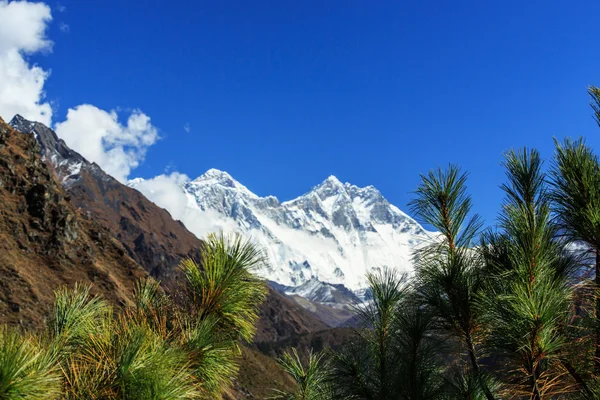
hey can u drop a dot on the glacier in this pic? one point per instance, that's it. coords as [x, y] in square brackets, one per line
[335, 233]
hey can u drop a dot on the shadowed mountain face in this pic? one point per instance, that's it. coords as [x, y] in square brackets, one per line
[45, 242]
[148, 233]
[63, 220]
[282, 318]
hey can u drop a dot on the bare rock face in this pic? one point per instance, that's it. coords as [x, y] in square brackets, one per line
[148, 233]
[44, 240]
[64, 220]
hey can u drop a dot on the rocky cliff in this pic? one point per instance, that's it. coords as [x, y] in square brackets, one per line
[45, 241]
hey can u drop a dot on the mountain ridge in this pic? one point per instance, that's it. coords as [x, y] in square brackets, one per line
[335, 233]
[147, 232]
[61, 224]
[46, 242]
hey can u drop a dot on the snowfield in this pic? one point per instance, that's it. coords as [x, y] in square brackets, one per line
[335, 233]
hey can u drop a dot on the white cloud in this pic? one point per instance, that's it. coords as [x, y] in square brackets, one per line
[96, 134]
[64, 28]
[100, 137]
[186, 128]
[166, 191]
[23, 32]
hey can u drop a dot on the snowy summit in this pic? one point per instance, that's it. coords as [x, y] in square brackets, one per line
[335, 233]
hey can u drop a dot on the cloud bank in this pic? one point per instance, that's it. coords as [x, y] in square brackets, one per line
[117, 145]
[99, 137]
[166, 191]
[22, 33]
[95, 133]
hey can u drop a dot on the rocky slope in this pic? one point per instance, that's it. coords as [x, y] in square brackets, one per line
[148, 233]
[282, 317]
[44, 240]
[64, 220]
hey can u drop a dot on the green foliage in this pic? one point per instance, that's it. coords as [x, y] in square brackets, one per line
[394, 354]
[594, 93]
[442, 201]
[225, 287]
[312, 381]
[526, 304]
[127, 357]
[576, 203]
[211, 354]
[448, 271]
[130, 361]
[447, 274]
[420, 370]
[75, 315]
[152, 349]
[369, 367]
[153, 307]
[147, 366]
[462, 384]
[25, 371]
[510, 318]
[576, 191]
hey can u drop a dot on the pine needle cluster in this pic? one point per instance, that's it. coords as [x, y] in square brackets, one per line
[509, 312]
[151, 349]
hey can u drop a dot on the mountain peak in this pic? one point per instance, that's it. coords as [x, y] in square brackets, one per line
[19, 117]
[22, 124]
[214, 173]
[332, 180]
[330, 184]
[216, 177]
[329, 188]
[67, 162]
[367, 192]
[335, 232]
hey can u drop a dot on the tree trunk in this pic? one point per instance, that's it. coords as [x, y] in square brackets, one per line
[579, 379]
[535, 390]
[475, 365]
[597, 288]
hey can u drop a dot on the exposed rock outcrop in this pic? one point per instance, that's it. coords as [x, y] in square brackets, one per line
[44, 240]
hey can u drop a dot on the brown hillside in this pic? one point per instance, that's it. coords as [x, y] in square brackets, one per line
[59, 227]
[45, 242]
[149, 234]
[281, 318]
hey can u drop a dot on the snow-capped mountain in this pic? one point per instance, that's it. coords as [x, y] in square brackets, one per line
[67, 162]
[328, 237]
[322, 292]
[335, 233]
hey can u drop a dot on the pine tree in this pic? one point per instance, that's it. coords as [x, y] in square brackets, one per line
[312, 381]
[448, 270]
[526, 304]
[394, 354]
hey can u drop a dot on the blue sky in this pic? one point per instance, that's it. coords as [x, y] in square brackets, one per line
[282, 94]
